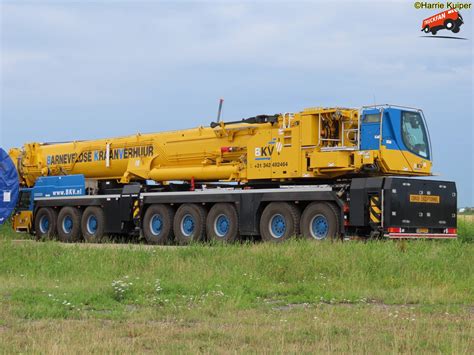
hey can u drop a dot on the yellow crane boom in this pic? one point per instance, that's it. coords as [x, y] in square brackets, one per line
[312, 144]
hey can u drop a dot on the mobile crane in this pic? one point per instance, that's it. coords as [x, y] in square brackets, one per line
[323, 173]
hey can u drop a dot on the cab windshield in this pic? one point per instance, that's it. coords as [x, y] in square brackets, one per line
[414, 134]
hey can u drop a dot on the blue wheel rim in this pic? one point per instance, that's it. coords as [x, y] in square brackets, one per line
[92, 224]
[277, 226]
[67, 224]
[188, 225]
[221, 225]
[319, 227]
[44, 224]
[156, 224]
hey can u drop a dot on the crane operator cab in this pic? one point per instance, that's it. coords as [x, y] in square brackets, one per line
[400, 134]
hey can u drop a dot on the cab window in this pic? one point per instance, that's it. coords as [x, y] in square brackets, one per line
[414, 134]
[371, 118]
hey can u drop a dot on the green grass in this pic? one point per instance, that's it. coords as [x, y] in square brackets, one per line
[299, 296]
[466, 228]
[6, 232]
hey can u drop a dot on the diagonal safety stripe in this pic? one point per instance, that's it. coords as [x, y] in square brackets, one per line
[375, 210]
[136, 209]
[136, 212]
[374, 218]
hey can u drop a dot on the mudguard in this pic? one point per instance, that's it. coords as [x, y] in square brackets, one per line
[9, 186]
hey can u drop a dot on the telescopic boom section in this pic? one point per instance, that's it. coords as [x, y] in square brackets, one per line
[316, 143]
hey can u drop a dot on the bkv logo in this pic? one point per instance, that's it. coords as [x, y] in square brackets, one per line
[265, 152]
[449, 19]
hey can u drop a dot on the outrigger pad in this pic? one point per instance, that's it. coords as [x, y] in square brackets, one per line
[9, 186]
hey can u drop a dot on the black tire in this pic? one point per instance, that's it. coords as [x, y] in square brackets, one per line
[449, 24]
[45, 223]
[158, 224]
[320, 221]
[190, 224]
[280, 221]
[433, 32]
[93, 224]
[455, 29]
[69, 225]
[426, 29]
[222, 223]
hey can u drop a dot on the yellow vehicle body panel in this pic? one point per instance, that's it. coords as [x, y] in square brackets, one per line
[22, 221]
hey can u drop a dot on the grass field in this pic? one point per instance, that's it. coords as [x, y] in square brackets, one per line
[298, 297]
[466, 227]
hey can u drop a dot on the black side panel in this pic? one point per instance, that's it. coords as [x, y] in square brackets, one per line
[130, 193]
[415, 203]
[359, 195]
[112, 223]
[249, 213]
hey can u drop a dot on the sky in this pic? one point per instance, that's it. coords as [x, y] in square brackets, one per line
[74, 70]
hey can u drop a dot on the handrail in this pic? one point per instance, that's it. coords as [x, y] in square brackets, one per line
[391, 105]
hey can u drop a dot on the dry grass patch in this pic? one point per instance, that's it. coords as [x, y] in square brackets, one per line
[324, 328]
[295, 297]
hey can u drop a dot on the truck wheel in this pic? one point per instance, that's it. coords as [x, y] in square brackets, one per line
[45, 223]
[426, 29]
[189, 224]
[69, 224]
[158, 224]
[222, 223]
[92, 224]
[449, 24]
[455, 29]
[433, 32]
[279, 222]
[320, 221]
